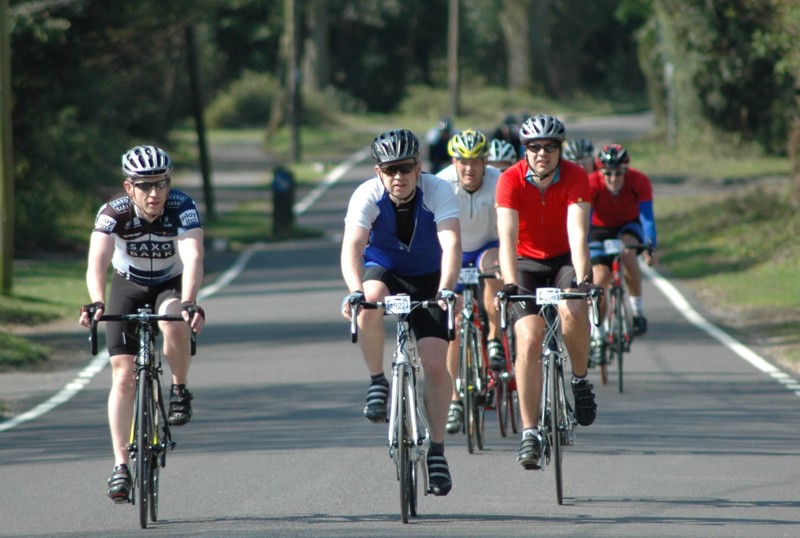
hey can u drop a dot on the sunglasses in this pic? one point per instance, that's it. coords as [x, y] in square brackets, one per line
[403, 169]
[610, 173]
[147, 186]
[548, 148]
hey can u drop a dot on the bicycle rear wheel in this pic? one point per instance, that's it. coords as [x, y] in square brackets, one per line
[501, 403]
[143, 454]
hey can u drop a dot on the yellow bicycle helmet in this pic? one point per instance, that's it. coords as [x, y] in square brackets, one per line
[469, 144]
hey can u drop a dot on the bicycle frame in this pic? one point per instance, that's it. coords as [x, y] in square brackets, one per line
[408, 434]
[556, 420]
[150, 436]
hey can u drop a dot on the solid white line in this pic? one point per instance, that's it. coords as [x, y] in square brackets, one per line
[99, 363]
[682, 305]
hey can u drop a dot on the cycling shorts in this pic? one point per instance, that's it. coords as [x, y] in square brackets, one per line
[127, 297]
[532, 274]
[425, 322]
[471, 259]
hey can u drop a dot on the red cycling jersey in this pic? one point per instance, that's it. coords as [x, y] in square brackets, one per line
[542, 216]
[611, 210]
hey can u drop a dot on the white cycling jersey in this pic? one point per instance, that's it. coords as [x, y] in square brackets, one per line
[476, 210]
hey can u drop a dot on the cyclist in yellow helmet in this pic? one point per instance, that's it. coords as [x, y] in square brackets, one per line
[473, 183]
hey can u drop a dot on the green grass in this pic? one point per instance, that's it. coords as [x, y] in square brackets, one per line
[43, 291]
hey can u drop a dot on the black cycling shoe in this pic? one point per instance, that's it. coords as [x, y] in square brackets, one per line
[377, 396]
[119, 485]
[180, 405]
[529, 454]
[639, 325]
[585, 406]
[439, 475]
[497, 355]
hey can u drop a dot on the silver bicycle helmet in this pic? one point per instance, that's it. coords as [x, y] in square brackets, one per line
[501, 151]
[578, 148]
[542, 127]
[146, 161]
[395, 145]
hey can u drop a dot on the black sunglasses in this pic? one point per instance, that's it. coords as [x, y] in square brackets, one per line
[610, 173]
[548, 148]
[147, 186]
[401, 168]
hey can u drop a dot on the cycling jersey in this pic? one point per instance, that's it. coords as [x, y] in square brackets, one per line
[371, 208]
[542, 215]
[476, 209]
[634, 201]
[146, 252]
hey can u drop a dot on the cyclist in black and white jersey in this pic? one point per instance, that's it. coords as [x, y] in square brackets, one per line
[153, 237]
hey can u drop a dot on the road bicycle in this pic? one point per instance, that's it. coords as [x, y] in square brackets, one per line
[151, 437]
[409, 435]
[556, 417]
[476, 383]
[619, 324]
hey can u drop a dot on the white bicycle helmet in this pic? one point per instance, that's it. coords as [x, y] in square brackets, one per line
[542, 127]
[501, 151]
[146, 161]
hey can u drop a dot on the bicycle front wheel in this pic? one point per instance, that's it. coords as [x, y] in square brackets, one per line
[619, 331]
[403, 460]
[558, 417]
[143, 453]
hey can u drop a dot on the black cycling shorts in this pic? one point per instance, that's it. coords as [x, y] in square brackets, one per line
[425, 322]
[532, 274]
[127, 297]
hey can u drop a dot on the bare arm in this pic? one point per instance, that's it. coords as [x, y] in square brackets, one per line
[191, 251]
[101, 249]
[449, 232]
[352, 258]
[508, 232]
[578, 230]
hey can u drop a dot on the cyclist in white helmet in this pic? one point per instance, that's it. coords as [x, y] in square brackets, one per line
[581, 152]
[543, 223]
[153, 238]
[474, 184]
[501, 154]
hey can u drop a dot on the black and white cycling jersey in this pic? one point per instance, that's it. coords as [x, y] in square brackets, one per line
[146, 252]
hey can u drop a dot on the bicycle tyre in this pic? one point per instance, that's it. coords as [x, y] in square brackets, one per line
[619, 332]
[403, 461]
[469, 388]
[513, 408]
[557, 425]
[479, 390]
[501, 403]
[155, 464]
[412, 483]
[143, 453]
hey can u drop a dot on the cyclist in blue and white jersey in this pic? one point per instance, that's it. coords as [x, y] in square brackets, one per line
[402, 235]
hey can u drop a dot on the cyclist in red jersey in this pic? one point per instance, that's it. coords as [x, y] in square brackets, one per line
[543, 221]
[622, 207]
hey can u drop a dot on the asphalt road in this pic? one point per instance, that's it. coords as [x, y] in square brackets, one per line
[700, 443]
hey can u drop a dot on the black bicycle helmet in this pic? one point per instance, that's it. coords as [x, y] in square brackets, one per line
[146, 161]
[395, 145]
[542, 127]
[578, 148]
[613, 156]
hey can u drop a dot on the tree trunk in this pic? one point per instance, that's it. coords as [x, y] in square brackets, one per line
[516, 34]
[794, 145]
[316, 56]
